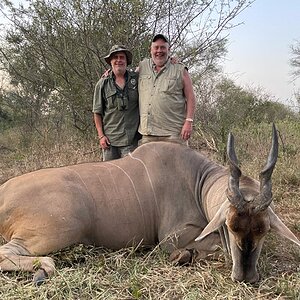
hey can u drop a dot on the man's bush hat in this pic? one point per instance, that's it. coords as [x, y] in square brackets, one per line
[119, 48]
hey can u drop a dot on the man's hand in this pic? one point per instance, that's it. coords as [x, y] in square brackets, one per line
[104, 142]
[186, 130]
[174, 60]
[106, 73]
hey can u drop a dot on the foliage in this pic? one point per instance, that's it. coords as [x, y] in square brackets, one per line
[295, 64]
[295, 60]
[227, 106]
[53, 50]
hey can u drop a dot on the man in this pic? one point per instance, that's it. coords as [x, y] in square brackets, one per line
[166, 96]
[115, 106]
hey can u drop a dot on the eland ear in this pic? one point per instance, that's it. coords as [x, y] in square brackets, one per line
[217, 221]
[280, 228]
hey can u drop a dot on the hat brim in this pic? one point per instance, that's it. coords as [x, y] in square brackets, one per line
[127, 53]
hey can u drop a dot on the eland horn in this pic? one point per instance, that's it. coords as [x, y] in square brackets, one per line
[233, 192]
[266, 174]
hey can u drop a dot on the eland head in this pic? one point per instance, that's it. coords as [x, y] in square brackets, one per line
[246, 216]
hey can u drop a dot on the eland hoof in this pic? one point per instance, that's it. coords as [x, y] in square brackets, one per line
[39, 277]
[181, 257]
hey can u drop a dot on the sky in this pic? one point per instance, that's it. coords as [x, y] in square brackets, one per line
[259, 49]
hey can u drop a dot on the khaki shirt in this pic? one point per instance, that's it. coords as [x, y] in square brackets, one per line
[161, 99]
[118, 108]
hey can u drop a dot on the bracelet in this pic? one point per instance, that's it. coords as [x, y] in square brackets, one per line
[189, 119]
[102, 136]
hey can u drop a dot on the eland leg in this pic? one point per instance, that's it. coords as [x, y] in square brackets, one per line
[184, 249]
[14, 257]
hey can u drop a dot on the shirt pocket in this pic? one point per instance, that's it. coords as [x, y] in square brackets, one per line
[111, 99]
[144, 82]
[171, 86]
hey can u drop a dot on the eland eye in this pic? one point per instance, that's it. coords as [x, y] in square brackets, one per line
[257, 230]
[235, 227]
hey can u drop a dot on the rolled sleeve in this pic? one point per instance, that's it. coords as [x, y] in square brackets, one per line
[97, 100]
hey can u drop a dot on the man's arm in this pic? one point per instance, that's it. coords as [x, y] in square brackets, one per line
[98, 110]
[99, 125]
[190, 105]
[103, 139]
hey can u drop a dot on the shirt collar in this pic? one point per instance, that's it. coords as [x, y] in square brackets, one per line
[112, 75]
[163, 67]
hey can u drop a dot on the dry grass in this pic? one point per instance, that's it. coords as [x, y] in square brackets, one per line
[95, 273]
[86, 272]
